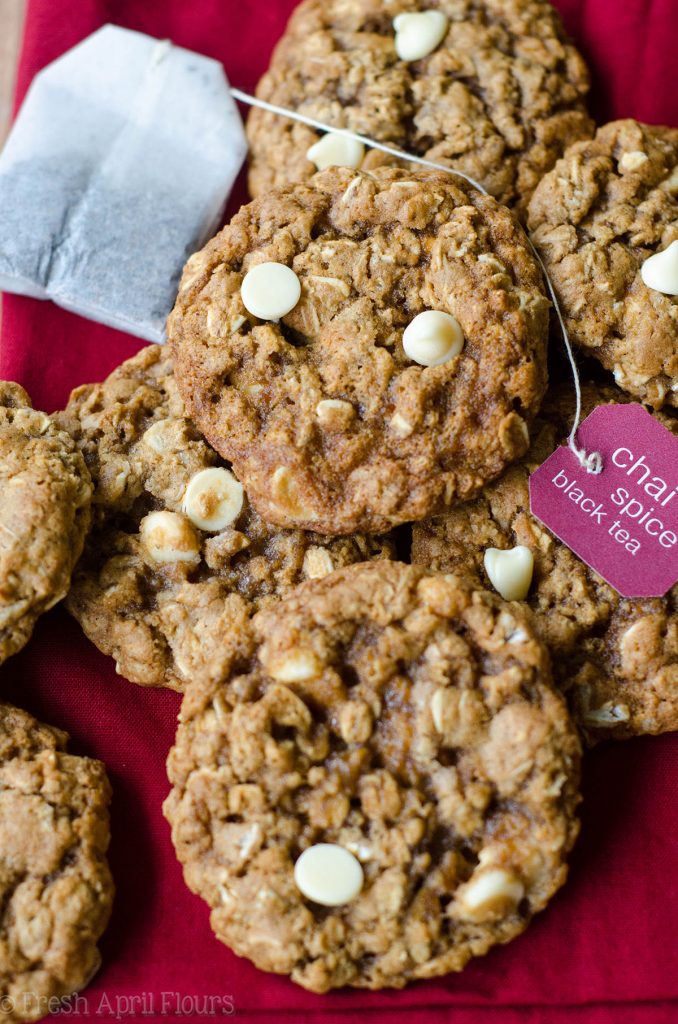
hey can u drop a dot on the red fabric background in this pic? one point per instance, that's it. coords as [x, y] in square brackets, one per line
[606, 950]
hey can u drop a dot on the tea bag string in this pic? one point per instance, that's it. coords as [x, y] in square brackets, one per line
[592, 462]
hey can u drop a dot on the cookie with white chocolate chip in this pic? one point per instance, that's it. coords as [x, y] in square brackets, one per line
[364, 348]
[606, 223]
[55, 885]
[386, 775]
[494, 89]
[177, 560]
[615, 658]
[45, 493]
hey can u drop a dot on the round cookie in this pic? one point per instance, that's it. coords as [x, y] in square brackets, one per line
[406, 722]
[607, 207]
[499, 98]
[45, 493]
[615, 658]
[55, 884]
[329, 422]
[156, 591]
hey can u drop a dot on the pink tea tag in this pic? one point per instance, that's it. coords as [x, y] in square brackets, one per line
[623, 522]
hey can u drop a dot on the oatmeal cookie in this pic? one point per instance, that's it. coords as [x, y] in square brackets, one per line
[331, 421]
[177, 559]
[615, 658]
[386, 775]
[499, 98]
[55, 884]
[45, 493]
[607, 207]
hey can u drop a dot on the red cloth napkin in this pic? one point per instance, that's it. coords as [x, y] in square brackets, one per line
[605, 951]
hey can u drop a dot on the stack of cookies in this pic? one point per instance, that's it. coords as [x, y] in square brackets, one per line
[309, 511]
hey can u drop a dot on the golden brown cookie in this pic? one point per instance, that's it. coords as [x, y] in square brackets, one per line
[329, 421]
[45, 493]
[499, 97]
[55, 884]
[615, 658]
[386, 775]
[607, 207]
[177, 560]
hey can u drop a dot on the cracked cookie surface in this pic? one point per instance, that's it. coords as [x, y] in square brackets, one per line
[166, 618]
[607, 206]
[45, 493]
[398, 439]
[615, 658]
[407, 719]
[499, 99]
[55, 884]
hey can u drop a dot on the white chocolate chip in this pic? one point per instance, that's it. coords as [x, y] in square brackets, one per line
[334, 413]
[491, 889]
[328, 874]
[213, 499]
[633, 160]
[510, 572]
[294, 667]
[432, 338]
[400, 426]
[418, 34]
[317, 563]
[169, 537]
[334, 150]
[660, 271]
[270, 290]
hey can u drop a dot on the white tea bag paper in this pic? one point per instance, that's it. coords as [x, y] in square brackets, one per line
[118, 167]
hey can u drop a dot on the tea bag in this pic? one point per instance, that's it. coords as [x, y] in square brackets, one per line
[118, 167]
